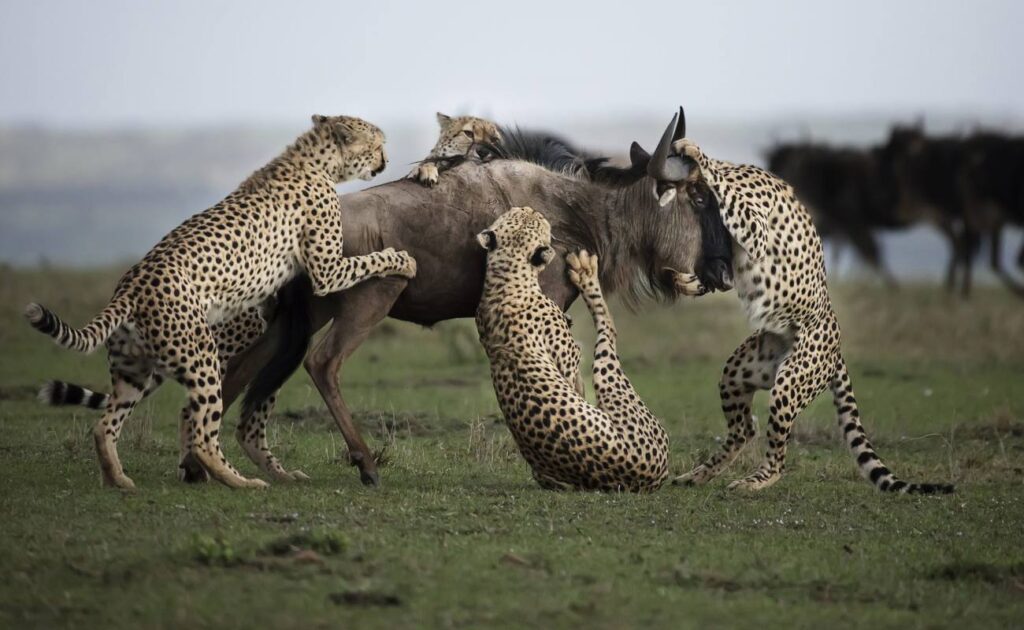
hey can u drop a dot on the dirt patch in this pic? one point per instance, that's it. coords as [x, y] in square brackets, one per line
[979, 572]
[365, 598]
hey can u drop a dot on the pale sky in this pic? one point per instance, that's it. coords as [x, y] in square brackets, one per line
[205, 62]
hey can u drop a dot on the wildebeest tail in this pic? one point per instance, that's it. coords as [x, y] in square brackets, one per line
[871, 467]
[81, 339]
[294, 323]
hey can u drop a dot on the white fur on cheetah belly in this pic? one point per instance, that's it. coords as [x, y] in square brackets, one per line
[744, 272]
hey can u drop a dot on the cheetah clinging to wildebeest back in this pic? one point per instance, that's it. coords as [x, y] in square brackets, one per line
[779, 275]
[616, 446]
[218, 265]
[459, 135]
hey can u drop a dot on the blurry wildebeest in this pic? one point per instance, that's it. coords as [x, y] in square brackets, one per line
[635, 239]
[992, 184]
[969, 187]
[848, 191]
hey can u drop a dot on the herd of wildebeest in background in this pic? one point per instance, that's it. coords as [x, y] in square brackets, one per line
[969, 186]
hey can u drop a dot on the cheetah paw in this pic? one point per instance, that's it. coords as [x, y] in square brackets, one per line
[405, 265]
[687, 147]
[294, 476]
[757, 481]
[582, 268]
[426, 174]
[696, 477]
[687, 284]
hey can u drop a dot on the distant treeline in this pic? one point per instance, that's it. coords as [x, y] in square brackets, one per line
[970, 187]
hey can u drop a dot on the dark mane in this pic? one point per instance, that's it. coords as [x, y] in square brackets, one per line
[549, 150]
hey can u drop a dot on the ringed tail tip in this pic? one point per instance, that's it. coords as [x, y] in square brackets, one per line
[34, 313]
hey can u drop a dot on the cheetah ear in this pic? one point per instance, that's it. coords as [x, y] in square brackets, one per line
[542, 256]
[319, 119]
[344, 134]
[487, 240]
[443, 120]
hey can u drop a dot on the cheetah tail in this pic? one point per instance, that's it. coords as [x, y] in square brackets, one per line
[871, 467]
[59, 394]
[83, 339]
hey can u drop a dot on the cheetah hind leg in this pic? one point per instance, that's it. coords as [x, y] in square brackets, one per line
[802, 375]
[547, 482]
[252, 436]
[752, 366]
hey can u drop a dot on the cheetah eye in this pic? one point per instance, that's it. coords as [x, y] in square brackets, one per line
[468, 133]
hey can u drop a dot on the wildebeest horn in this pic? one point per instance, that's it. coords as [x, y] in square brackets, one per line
[680, 126]
[664, 167]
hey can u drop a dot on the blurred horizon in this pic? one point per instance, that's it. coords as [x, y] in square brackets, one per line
[118, 120]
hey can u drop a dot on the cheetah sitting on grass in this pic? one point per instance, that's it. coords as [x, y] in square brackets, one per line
[617, 445]
[283, 220]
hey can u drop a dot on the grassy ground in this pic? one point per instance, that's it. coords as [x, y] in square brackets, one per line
[459, 536]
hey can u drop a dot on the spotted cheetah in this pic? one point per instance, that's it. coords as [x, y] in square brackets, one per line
[779, 276]
[459, 135]
[617, 445]
[218, 266]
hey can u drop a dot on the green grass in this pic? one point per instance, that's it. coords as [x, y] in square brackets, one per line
[459, 535]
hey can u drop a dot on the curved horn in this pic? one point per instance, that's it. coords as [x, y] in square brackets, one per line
[664, 167]
[681, 126]
[656, 167]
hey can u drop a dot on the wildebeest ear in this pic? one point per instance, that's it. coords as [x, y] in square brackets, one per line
[443, 119]
[637, 155]
[542, 256]
[487, 240]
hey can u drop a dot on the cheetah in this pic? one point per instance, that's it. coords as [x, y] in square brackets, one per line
[459, 135]
[779, 277]
[217, 266]
[616, 446]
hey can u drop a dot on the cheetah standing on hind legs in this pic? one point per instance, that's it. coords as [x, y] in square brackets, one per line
[617, 445]
[458, 136]
[779, 275]
[284, 219]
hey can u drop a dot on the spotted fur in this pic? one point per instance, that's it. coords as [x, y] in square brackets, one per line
[570, 444]
[459, 135]
[191, 302]
[795, 349]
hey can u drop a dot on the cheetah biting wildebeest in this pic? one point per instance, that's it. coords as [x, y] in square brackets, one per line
[458, 136]
[617, 445]
[282, 220]
[779, 275]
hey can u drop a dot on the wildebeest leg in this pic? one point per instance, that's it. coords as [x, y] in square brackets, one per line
[969, 251]
[996, 260]
[954, 254]
[867, 246]
[356, 312]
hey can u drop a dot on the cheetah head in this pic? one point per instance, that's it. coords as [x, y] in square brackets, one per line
[358, 146]
[460, 134]
[518, 239]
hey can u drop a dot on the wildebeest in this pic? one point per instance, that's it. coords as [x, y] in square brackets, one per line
[636, 241]
[848, 192]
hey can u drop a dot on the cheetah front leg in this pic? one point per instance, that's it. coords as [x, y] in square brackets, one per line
[321, 252]
[746, 222]
[751, 367]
